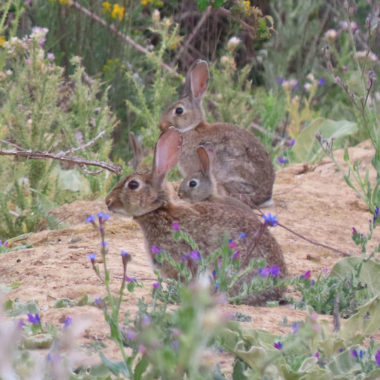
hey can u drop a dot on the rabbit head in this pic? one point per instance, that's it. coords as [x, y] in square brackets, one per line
[141, 193]
[188, 112]
[200, 185]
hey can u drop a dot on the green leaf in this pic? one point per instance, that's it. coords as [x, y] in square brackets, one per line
[369, 274]
[15, 308]
[202, 4]
[115, 367]
[140, 368]
[218, 3]
[83, 301]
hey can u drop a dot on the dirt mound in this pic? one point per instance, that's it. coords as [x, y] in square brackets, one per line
[312, 200]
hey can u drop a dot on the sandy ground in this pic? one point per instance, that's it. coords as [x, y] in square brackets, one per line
[312, 200]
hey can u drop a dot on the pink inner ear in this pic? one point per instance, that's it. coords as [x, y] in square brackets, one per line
[199, 79]
[167, 150]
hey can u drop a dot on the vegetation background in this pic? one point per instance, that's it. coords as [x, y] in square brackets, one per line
[76, 77]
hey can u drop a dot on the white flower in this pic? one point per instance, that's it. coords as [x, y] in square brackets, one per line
[233, 43]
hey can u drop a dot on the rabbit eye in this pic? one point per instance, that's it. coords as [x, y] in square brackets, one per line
[133, 185]
[179, 111]
[193, 183]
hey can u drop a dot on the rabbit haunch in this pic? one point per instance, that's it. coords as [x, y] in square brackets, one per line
[243, 167]
[145, 197]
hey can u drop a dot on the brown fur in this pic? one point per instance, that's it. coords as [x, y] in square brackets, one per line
[154, 210]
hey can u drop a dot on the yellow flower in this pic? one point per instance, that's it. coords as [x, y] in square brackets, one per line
[146, 2]
[106, 7]
[118, 12]
[246, 5]
[2, 41]
[65, 2]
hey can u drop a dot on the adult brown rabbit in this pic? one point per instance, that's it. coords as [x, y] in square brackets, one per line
[145, 197]
[243, 167]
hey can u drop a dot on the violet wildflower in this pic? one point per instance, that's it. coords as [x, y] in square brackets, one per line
[6, 243]
[214, 275]
[125, 256]
[354, 353]
[282, 160]
[130, 279]
[278, 345]
[195, 255]
[104, 244]
[183, 258]
[90, 219]
[322, 82]
[232, 244]
[92, 257]
[280, 80]
[316, 355]
[341, 349]
[242, 235]
[274, 271]
[34, 319]
[156, 285]
[291, 143]
[377, 357]
[376, 214]
[68, 321]
[264, 272]
[175, 226]
[155, 249]
[146, 321]
[50, 56]
[175, 345]
[131, 334]
[296, 327]
[270, 220]
[236, 255]
[307, 274]
[103, 217]
[142, 349]
[97, 301]
[20, 324]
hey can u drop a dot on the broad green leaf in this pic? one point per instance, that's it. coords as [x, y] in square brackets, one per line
[369, 274]
[202, 4]
[140, 368]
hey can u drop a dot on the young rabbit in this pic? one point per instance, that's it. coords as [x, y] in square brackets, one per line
[146, 198]
[201, 186]
[242, 166]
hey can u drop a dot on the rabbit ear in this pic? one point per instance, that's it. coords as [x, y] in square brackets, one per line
[165, 155]
[137, 151]
[199, 79]
[204, 160]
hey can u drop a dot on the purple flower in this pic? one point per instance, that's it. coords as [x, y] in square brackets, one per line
[236, 255]
[20, 324]
[296, 86]
[131, 334]
[97, 301]
[142, 349]
[156, 285]
[242, 235]
[322, 82]
[291, 143]
[316, 355]
[264, 272]
[354, 353]
[280, 80]
[126, 257]
[296, 327]
[50, 56]
[232, 244]
[90, 219]
[282, 160]
[377, 357]
[325, 270]
[175, 226]
[175, 345]
[278, 345]
[195, 255]
[130, 279]
[270, 220]
[103, 217]
[274, 271]
[155, 249]
[68, 322]
[104, 243]
[341, 349]
[214, 275]
[307, 274]
[92, 257]
[34, 319]
[183, 258]
[146, 321]
[376, 214]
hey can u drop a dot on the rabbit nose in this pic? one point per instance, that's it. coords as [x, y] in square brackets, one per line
[164, 125]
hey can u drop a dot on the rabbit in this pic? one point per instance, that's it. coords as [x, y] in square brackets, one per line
[201, 186]
[146, 198]
[243, 167]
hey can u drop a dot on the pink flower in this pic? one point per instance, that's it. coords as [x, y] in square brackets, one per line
[175, 226]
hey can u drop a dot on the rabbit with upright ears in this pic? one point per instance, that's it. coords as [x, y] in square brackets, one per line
[242, 166]
[202, 186]
[145, 197]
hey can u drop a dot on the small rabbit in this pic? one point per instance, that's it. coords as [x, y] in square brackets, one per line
[243, 167]
[145, 197]
[201, 186]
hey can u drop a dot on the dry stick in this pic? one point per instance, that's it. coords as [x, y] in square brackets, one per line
[123, 36]
[193, 34]
[311, 241]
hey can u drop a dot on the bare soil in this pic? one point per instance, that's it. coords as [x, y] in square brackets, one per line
[312, 200]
